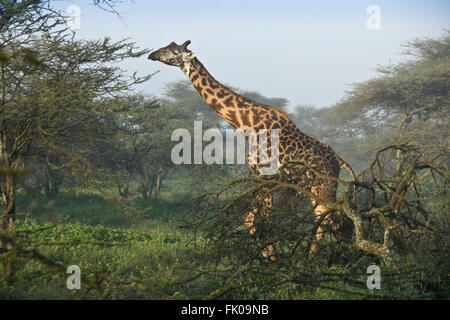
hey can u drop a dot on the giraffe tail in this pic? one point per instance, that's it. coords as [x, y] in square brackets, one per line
[346, 166]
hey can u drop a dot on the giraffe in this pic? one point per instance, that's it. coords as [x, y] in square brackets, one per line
[245, 114]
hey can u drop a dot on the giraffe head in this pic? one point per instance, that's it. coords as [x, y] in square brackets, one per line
[173, 54]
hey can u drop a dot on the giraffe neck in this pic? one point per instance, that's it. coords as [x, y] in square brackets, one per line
[232, 107]
[245, 114]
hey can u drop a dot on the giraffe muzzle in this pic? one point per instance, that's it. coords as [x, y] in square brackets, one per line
[153, 56]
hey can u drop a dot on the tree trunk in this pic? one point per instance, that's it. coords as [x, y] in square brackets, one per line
[151, 187]
[160, 177]
[399, 159]
[145, 186]
[144, 191]
[8, 198]
[8, 180]
[123, 192]
[52, 183]
[9, 209]
[158, 185]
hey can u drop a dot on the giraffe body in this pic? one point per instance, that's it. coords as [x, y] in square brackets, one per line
[245, 114]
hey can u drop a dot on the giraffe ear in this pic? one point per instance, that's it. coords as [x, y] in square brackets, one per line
[188, 56]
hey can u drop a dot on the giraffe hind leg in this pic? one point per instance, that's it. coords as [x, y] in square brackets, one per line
[319, 211]
[326, 193]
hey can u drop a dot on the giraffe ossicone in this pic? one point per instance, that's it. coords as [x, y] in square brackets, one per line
[244, 114]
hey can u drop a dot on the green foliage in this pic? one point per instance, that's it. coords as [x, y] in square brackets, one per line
[120, 253]
[53, 97]
[140, 147]
[402, 225]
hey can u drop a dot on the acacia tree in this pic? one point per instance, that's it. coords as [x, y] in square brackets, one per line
[119, 153]
[140, 148]
[18, 22]
[156, 121]
[55, 107]
[51, 100]
[406, 102]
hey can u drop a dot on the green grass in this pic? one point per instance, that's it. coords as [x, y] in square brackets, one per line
[99, 238]
[152, 257]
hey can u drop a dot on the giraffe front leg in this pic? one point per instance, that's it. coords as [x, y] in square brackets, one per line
[250, 219]
[268, 250]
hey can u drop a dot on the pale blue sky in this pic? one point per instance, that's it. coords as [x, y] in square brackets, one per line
[306, 51]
